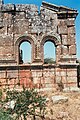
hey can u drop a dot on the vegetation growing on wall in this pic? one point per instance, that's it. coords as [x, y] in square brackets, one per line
[49, 61]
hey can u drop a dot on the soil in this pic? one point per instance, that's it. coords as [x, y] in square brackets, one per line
[68, 110]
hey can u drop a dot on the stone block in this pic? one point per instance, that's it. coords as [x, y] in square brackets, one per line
[11, 82]
[47, 74]
[20, 16]
[63, 72]
[49, 85]
[72, 89]
[71, 30]
[58, 50]
[72, 50]
[62, 27]
[71, 39]
[64, 50]
[34, 74]
[2, 30]
[3, 81]
[58, 73]
[7, 52]
[72, 73]
[48, 80]
[2, 74]
[36, 80]
[59, 99]
[72, 84]
[38, 74]
[64, 39]
[72, 79]
[62, 22]
[58, 79]
[12, 74]
[64, 79]
[16, 81]
[70, 22]
[8, 7]
[62, 30]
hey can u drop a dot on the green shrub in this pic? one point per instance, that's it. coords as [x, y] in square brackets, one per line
[49, 61]
[0, 94]
[4, 115]
[28, 102]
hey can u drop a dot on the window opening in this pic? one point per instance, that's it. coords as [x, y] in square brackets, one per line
[25, 53]
[49, 52]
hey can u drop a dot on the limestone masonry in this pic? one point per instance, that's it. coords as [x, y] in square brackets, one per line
[23, 22]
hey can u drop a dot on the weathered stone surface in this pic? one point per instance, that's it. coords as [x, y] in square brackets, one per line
[8, 7]
[71, 30]
[72, 50]
[58, 79]
[64, 50]
[64, 80]
[65, 39]
[63, 72]
[63, 115]
[73, 89]
[70, 22]
[62, 27]
[72, 73]
[71, 39]
[71, 79]
[59, 99]
[23, 22]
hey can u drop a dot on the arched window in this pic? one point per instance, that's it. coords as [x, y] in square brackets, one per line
[49, 52]
[25, 52]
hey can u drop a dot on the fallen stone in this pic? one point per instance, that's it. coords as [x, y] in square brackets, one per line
[59, 99]
[47, 99]
[10, 104]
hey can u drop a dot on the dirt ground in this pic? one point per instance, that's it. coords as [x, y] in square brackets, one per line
[62, 110]
[68, 110]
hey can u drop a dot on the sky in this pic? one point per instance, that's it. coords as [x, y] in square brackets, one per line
[75, 4]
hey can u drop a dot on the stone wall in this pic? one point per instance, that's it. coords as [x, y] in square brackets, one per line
[53, 23]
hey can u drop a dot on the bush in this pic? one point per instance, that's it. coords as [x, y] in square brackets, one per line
[4, 115]
[0, 94]
[28, 103]
[49, 61]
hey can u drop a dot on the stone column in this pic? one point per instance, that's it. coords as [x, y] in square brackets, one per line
[37, 52]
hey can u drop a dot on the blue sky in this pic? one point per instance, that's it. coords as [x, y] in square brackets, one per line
[69, 3]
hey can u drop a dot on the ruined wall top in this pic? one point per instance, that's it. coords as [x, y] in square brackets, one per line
[19, 22]
[32, 7]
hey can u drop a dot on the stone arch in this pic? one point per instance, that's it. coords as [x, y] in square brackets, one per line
[21, 40]
[54, 39]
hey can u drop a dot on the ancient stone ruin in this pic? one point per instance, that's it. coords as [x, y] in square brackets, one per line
[24, 22]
